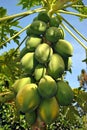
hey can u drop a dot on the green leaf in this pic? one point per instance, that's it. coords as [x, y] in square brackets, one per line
[10, 65]
[82, 9]
[3, 12]
[71, 113]
[30, 3]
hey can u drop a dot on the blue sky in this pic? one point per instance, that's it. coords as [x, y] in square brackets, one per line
[79, 51]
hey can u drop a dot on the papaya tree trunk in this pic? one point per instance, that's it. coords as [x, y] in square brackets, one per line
[39, 125]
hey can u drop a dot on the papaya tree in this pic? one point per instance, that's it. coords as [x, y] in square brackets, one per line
[32, 79]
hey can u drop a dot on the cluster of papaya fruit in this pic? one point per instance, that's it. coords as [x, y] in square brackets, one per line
[45, 58]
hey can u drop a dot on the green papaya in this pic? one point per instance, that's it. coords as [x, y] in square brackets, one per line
[47, 86]
[48, 110]
[36, 18]
[28, 98]
[43, 16]
[32, 42]
[54, 21]
[56, 66]
[29, 32]
[28, 62]
[20, 83]
[64, 93]
[64, 48]
[40, 71]
[38, 27]
[53, 34]
[43, 53]
[24, 51]
[68, 63]
[30, 117]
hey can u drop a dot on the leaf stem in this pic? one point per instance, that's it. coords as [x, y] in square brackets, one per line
[72, 13]
[21, 14]
[68, 30]
[57, 5]
[69, 5]
[17, 34]
[79, 6]
[74, 29]
[18, 46]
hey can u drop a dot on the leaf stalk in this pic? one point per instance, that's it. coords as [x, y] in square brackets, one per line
[68, 30]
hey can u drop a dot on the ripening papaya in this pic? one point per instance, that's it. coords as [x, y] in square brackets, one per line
[53, 34]
[64, 93]
[20, 83]
[43, 53]
[48, 110]
[30, 117]
[47, 86]
[55, 21]
[43, 16]
[28, 98]
[32, 42]
[38, 27]
[28, 62]
[56, 66]
[64, 48]
[39, 72]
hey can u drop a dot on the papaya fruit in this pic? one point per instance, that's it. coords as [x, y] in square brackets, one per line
[28, 98]
[29, 32]
[23, 52]
[47, 87]
[36, 18]
[28, 62]
[43, 53]
[43, 16]
[20, 83]
[64, 48]
[68, 63]
[40, 71]
[56, 66]
[38, 27]
[62, 34]
[30, 117]
[64, 93]
[53, 34]
[32, 42]
[48, 110]
[54, 21]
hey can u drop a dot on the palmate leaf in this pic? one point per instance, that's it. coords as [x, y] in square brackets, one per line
[81, 99]
[83, 9]
[8, 28]
[70, 113]
[3, 12]
[29, 3]
[10, 65]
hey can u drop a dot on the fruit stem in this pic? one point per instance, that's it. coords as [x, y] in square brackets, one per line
[68, 30]
[39, 125]
[74, 29]
[17, 34]
[73, 13]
